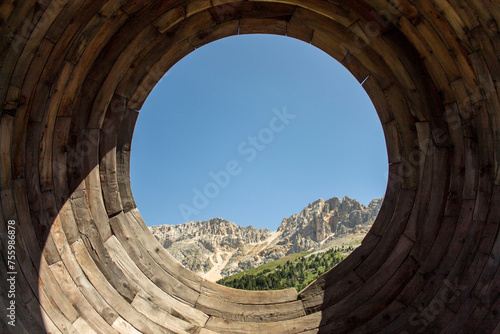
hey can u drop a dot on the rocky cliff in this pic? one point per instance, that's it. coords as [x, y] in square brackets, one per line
[218, 248]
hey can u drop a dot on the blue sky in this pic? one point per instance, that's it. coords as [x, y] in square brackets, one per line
[251, 129]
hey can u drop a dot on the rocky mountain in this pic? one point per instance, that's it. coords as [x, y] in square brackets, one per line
[217, 248]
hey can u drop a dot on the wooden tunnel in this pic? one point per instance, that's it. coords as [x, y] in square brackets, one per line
[75, 73]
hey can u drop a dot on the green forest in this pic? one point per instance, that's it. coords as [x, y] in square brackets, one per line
[296, 271]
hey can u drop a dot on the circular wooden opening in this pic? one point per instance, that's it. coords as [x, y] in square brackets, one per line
[73, 77]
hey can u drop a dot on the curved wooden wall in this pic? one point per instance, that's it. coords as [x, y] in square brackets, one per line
[74, 74]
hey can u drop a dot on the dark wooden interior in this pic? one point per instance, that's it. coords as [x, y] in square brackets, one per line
[73, 77]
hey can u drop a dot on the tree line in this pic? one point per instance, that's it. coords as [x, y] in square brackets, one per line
[292, 274]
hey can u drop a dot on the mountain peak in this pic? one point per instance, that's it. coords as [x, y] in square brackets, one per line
[218, 247]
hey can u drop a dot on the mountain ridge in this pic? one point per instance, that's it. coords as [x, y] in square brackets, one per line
[217, 248]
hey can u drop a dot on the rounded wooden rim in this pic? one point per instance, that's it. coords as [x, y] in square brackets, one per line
[75, 74]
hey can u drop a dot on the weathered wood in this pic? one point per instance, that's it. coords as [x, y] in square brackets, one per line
[119, 68]
[374, 305]
[6, 129]
[226, 294]
[93, 191]
[123, 146]
[148, 266]
[300, 325]
[156, 314]
[169, 19]
[121, 303]
[107, 155]
[431, 69]
[98, 314]
[212, 34]
[160, 255]
[262, 26]
[155, 294]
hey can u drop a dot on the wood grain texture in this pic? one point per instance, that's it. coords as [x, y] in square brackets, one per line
[73, 77]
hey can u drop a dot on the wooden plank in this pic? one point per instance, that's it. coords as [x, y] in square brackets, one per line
[6, 130]
[354, 66]
[118, 70]
[433, 66]
[35, 38]
[405, 124]
[123, 147]
[139, 18]
[97, 299]
[439, 48]
[332, 293]
[65, 23]
[170, 19]
[452, 117]
[375, 305]
[93, 185]
[12, 99]
[175, 53]
[337, 12]
[142, 65]
[449, 33]
[381, 320]
[386, 48]
[262, 26]
[56, 293]
[60, 160]
[299, 32]
[159, 316]
[46, 145]
[83, 327]
[94, 310]
[426, 233]
[16, 28]
[90, 238]
[379, 289]
[120, 302]
[226, 11]
[160, 255]
[89, 56]
[147, 265]
[155, 294]
[393, 141]
[339, 276]
[490, 245]
[22, 113]
[91, 28]
[249, 313]
[49, 307]
[107, 155]
[483, 45]
[389, 240]
[470, 170]
[193, 25]
[54, 320]
[212, 34]
[49, 252]
[245, 297]
[421, 199]
[299, 325]
[124, 327]
[429, 285]
[392, 194]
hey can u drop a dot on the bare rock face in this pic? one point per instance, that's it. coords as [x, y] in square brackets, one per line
[322, 221]
[199, 246]
[217, 248]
